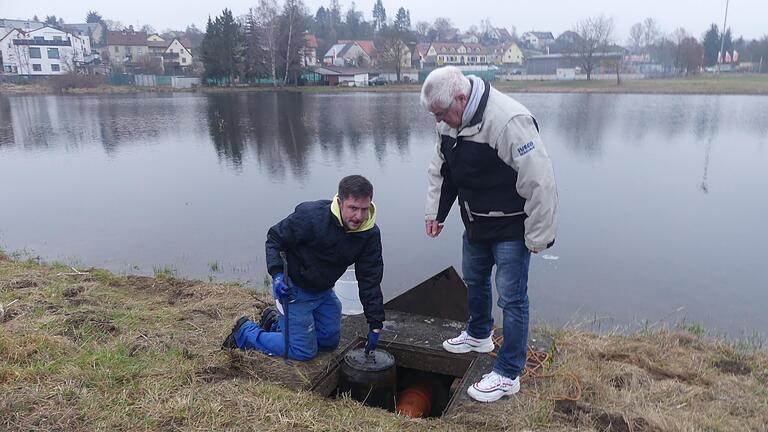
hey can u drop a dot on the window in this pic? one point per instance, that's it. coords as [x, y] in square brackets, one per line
[39, 38]
[55, 68]
[53, 53]
[117, 49]
[57, 38]
[34, 52]
[37, 68]
[183, 59]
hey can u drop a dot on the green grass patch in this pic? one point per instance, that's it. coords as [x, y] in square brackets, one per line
[164, 272]
[31, 357]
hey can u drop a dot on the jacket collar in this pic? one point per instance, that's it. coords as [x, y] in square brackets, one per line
[365, 226]
[476, 124]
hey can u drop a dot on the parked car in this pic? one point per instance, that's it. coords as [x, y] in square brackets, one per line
[379, 80]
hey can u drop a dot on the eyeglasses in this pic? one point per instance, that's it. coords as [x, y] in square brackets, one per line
[440, 115]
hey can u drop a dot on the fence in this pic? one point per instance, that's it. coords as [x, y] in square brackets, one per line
[143, 80]
[486, 74]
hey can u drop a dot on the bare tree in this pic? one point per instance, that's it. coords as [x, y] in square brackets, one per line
[422, 28]
[292, 42]
[691, 54]
[392, 50]
[595, 36]
[21, 52]
[443, 27]
[651, 32]
[635, 40]
[486, 27]
[150, 64]
[264, 21]
[66, 62]
[291, 11]
[113, 25]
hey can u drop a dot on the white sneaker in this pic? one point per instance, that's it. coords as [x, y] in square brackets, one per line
[465, 343]
[493, 387]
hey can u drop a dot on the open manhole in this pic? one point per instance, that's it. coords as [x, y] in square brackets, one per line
[411, 380]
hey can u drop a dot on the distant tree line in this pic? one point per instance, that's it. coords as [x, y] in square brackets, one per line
[682, 52]
[267, 42]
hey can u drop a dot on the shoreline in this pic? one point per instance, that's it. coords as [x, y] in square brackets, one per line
[85, 349]
[701, 85]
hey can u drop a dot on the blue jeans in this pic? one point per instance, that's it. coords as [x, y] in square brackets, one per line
[511, 259]
[314, 321]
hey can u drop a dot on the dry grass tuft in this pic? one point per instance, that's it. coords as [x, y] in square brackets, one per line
[97, 351]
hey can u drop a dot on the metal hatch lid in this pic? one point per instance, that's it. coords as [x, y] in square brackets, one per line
[376, 360]
[443, 295]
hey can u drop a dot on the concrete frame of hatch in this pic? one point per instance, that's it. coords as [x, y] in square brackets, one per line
[416, 342]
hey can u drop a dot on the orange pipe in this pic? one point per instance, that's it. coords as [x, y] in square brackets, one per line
[416, 400]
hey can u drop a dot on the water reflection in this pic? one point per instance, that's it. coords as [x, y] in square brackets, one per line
[281, 129]
[6, 125]
[654, 189]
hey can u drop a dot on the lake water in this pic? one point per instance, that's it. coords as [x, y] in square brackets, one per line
[663, 199]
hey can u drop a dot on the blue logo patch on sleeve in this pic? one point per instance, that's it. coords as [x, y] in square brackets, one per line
[525, 148]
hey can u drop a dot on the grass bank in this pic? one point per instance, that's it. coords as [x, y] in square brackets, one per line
[704, 84]
[89, 350]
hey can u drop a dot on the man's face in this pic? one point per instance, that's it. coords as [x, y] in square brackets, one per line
[452, 114]
[354, 211]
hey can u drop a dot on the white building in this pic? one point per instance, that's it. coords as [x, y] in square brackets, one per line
[538, 40]
[44, 51]
[7, 25]
[177, 56]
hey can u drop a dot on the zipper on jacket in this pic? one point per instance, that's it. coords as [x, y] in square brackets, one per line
[469, 213]
[497, 214]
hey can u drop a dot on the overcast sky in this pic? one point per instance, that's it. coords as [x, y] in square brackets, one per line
[745, 17]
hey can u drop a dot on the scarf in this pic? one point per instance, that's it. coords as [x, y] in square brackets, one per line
[478, 88]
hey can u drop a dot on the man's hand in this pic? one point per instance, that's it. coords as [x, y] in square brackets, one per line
[280, 288]
[433, 228]
[373, 340]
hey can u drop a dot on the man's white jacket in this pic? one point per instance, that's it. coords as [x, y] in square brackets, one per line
[501, 173]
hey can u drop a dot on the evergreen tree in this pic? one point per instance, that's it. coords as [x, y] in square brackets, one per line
[711, 44]
[354, 19]
[291, 44]
[379, 16]
[325, 34]
[334, 15]
[402, 20]
[93, 17]
[223, 47]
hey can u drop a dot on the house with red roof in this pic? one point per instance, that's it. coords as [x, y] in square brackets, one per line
[309, 53]
[351, 53]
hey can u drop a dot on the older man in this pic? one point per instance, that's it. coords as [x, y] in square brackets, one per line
[489, 154]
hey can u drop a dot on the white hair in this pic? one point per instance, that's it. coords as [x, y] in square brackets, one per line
[442, 85]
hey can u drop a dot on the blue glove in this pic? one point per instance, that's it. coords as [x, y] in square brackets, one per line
[373, 341]
[280, 287]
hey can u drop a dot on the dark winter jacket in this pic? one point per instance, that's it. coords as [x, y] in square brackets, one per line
[319, 250]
